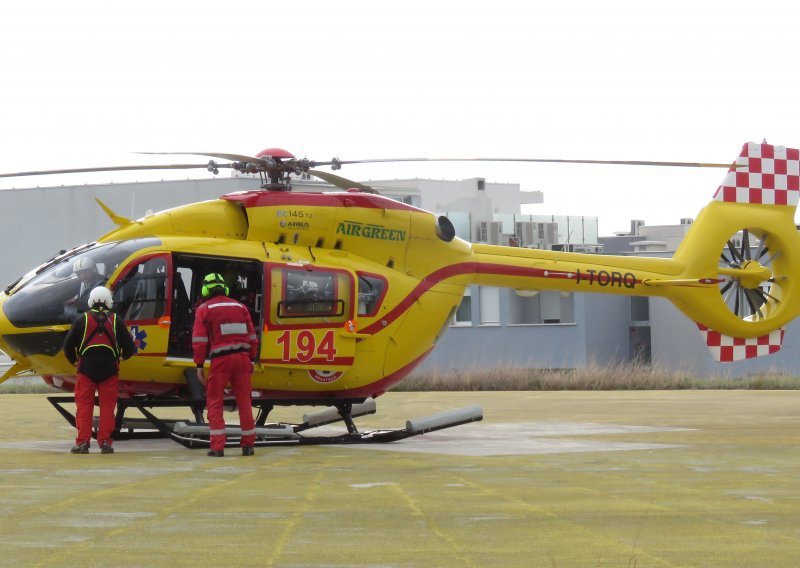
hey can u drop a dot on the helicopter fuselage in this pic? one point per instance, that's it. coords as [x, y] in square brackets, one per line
[349, 291]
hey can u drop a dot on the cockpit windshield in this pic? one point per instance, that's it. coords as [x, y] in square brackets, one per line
[60, 291]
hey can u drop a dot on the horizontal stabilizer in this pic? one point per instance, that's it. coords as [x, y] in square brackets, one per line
[682, 281]
[16, 369]
[726, 349]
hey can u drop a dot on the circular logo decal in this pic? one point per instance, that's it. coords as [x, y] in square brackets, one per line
[324, 376]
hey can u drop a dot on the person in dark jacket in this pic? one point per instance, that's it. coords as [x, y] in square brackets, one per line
[96, 342]
[223, 331]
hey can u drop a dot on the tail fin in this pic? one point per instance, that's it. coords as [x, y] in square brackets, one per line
[762, 174]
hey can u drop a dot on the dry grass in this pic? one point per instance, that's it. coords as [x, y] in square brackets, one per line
[591, 378]
[595, 377]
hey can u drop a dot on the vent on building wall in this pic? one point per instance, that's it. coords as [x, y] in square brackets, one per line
[537, 235]
[490, 232]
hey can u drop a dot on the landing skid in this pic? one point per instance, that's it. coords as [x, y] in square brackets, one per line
[196, 434]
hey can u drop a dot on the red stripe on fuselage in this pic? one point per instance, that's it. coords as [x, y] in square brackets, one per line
[457, 270]
[339, 199]
[317, 362]
[373, 389]
[129, 388]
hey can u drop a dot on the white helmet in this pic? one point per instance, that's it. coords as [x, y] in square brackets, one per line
[100, 295]
[84, 263]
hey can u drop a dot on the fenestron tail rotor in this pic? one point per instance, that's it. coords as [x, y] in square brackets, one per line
[750, 288]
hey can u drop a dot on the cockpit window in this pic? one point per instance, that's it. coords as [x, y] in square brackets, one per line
[60, 291]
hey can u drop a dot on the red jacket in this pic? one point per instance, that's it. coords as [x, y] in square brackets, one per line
[222, 326]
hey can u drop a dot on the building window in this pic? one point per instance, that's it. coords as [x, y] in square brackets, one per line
[489, 304]
[463, 315]
[523, 307]
[527, 307]
[550, 306]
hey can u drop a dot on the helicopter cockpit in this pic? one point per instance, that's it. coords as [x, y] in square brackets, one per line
[57, 291]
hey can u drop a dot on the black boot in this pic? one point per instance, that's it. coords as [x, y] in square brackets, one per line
[106, 448]
[248, 450]
[80, 448]
[216, 453]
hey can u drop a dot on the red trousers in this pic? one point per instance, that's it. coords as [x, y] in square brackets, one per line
[108, 392]
[235, 369]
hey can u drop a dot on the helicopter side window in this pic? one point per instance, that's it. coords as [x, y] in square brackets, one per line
[142, 294]
[371, 290]
[310, 294]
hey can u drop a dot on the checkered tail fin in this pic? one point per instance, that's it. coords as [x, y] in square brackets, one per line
[727, 349]
[762, 174]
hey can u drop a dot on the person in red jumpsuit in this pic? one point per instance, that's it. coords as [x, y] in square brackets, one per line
[223, 331]
[95, 343]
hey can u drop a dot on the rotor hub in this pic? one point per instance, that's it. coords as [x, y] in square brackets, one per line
[754, 274]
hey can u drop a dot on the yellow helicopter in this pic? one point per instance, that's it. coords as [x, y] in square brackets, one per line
[351, 290]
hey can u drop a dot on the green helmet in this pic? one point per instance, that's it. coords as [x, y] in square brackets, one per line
[211, 282]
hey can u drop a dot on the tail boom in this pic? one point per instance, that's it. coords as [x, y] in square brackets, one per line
[740, 293]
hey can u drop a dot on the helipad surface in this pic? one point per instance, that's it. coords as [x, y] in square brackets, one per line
[689, 478]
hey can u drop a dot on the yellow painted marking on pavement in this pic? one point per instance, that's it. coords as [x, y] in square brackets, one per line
[555, 518]
[63, 552]
[295, 519]
[432, 525]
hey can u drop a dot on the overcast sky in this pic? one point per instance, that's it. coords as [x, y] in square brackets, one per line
[87, 83]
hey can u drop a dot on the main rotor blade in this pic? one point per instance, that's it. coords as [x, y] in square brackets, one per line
[340, 182]
[111, 169]
[335, 163]
[543, 161]
[221, 155]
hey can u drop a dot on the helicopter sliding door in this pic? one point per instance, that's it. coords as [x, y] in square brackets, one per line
[244, 279]
[310, 320]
